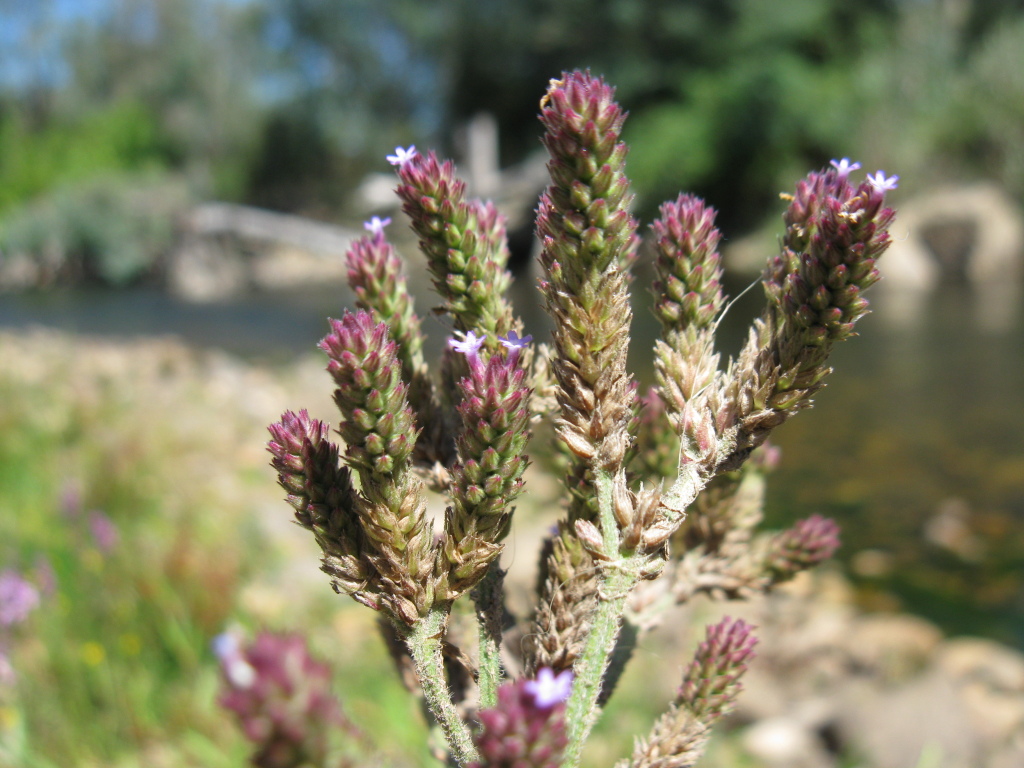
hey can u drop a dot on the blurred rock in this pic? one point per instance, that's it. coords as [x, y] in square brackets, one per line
[226, 249]
[892, 647]
[783, 742]
[975, 231]
[892, 726]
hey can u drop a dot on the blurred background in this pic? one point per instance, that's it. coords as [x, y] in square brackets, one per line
[179, 180]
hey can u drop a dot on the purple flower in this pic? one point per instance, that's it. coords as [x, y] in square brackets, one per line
[469, 346]
[549, 689]
[375, 226]
[402, 156]
[18, 598]
[237, 671]
[45, 576]
[514, 345]
[881, 183]
[104, 531]
[526, 728]
[512, 341]
[844, 166]
[284, 701]
[7, 675]
[71, 500]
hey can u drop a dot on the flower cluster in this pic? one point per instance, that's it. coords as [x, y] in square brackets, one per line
[709, 690]
[281, 697]
[665, 487]
[488, 473]
[803, 546]
[464, 242]
[527, 727]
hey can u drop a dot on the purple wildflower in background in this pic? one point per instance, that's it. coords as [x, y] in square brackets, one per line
[18, 598]
[45, 576]
[71, 500]
[281, 697]
[105, 534]
[228, 650]
[7, 675]
[882, 183]
[402, 156]
[549, 689]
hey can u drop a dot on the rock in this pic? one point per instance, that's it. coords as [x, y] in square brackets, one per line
[201, 270]
[923, 226]
[894, 647]
[975, 658]
[997, 715]
[892, 727]
[286, 267]
[950, 528]
[783, 742]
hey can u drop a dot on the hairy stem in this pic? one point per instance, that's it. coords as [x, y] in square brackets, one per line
[490, 610]
[606, 512]
[424, 641]
[582, 709]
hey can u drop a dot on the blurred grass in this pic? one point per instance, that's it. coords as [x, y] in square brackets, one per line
[114, 667]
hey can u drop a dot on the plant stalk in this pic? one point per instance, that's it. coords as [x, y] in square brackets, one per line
[424, 641]
[490, 610]
[582, 709]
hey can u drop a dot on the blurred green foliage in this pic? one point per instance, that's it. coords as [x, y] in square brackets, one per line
[289, 103]
[109, 229]
[121, 137]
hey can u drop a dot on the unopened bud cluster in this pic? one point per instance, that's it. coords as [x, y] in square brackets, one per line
[655, 487]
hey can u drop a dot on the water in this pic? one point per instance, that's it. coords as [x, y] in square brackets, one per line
[915, 445]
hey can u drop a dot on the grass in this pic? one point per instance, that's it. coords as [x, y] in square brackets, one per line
[114, 667]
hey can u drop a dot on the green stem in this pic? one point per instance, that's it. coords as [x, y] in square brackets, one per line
[616, 582]
[490, 611]
[606, 513]
[582, 709]
[424, 641]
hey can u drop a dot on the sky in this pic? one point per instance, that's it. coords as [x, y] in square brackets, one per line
[31, 31]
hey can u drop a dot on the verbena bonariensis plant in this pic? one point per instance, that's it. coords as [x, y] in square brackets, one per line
[662, 492]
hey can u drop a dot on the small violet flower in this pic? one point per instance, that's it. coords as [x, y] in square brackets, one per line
[402, 156]
[470, 346]
[881, 183]
[514, 345]
[549, 689]
[844, 166]
[512, 341]
[18, 598]
[238, 672]
[104, 531]
[375, 226]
